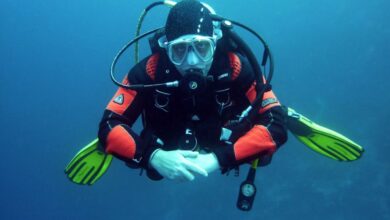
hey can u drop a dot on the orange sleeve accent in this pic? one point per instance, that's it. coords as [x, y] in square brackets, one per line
[235, 64]
[120, 142]
[269, 98]
[255, 141]
[151, 66]
[122, 99]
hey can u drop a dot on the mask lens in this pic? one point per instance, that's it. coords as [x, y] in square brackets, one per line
[204, 48]
[178, 52]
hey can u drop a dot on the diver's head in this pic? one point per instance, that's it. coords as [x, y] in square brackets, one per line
[190, 37]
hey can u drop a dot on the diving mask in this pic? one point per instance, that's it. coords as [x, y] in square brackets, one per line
[202, 46]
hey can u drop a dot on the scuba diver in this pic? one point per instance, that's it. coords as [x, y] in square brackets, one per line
[205, 106]
[182, 134]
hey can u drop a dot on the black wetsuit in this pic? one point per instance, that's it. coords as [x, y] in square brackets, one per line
[170, 113]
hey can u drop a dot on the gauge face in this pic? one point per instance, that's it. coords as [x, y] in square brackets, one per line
[248, 190]
[188, 141]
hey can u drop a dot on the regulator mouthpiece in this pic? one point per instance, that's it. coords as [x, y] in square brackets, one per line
[193, 82]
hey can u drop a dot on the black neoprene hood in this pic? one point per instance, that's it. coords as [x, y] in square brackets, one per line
[188, 17]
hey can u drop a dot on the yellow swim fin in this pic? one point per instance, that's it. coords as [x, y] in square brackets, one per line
[322, 140]
[89, 164]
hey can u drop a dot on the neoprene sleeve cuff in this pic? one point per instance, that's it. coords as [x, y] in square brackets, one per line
[225, 156]
[151, 146]
[149, 153]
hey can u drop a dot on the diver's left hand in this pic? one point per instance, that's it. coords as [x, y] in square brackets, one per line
[207, 161]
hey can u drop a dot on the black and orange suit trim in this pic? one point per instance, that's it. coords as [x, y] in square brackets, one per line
[267, 133]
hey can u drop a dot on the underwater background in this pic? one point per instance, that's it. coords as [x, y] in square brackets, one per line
[332, 65]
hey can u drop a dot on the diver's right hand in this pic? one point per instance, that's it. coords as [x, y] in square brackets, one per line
[173, 164]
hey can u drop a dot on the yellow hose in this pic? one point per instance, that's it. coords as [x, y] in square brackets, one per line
[255, 163]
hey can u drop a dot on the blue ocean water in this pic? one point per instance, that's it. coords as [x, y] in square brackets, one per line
[332, 65]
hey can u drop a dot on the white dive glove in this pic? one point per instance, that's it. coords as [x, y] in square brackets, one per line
[207, 161]
[175, 164]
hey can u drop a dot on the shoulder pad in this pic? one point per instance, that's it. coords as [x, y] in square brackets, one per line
[235, 65]
[151, 66]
